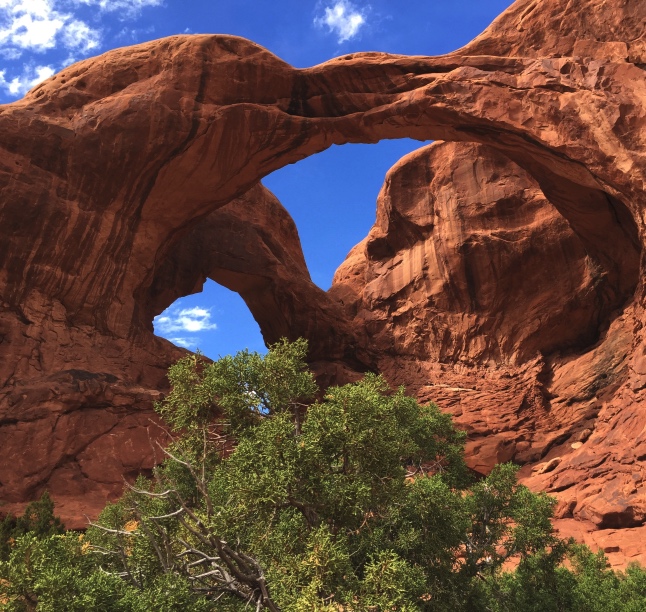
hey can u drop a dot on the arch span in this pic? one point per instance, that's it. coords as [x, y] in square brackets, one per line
[109, 168]
[214, 114]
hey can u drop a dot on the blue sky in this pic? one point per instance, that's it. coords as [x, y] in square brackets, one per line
[331, 195]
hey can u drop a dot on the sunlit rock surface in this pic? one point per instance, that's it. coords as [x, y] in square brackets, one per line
[502, 278]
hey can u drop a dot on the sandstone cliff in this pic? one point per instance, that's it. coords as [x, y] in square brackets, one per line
[502, 277]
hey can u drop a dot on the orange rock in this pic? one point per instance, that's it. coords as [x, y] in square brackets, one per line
[547, 466]
[502, 278]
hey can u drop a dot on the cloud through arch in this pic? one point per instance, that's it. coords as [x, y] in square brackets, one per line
[176, 322]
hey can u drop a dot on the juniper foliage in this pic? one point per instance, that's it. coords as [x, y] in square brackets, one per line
[270, 497]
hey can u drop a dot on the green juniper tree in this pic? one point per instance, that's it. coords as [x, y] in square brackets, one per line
[360, 501]
[357, 501]
[38, 520]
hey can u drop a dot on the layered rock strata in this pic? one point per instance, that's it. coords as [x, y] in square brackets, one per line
[117, 174]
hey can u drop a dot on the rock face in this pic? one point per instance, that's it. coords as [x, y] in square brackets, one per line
[483, 299]
[468, 262]
[508, 291]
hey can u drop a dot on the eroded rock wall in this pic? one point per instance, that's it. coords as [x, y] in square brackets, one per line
[116, 174]
[469, 262]
[482, 298]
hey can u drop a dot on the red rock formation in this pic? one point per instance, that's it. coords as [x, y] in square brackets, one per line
[76, 412]
[110, 173]
[468, 262]
[484, 300]
[251, 246]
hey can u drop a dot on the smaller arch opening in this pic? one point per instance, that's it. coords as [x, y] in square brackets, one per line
[215, 321]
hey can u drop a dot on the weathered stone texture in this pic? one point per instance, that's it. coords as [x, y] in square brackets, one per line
[502, 279]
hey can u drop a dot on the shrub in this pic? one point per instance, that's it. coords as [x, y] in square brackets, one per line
[360, 501]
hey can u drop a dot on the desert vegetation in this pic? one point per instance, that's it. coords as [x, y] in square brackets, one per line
[273, 497]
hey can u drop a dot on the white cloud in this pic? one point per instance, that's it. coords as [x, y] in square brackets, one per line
[70, 59]
[176, 319]
[10, 54]
[188, 343]
[40, 25]
[134, 34]
[191, 320]
[28, 32]
[30, 77]
[54, 28]
[343, 18]
[78, 35]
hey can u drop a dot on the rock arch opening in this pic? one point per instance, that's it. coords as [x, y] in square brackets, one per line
[332, 198]
[216, 321]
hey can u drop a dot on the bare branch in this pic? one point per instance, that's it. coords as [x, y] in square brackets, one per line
[166, 516]
[133, 534]
[165, 494]
[153, 542]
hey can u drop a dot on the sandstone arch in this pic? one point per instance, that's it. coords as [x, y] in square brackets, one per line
[251, 246]
[207, 130]
[108, 167]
